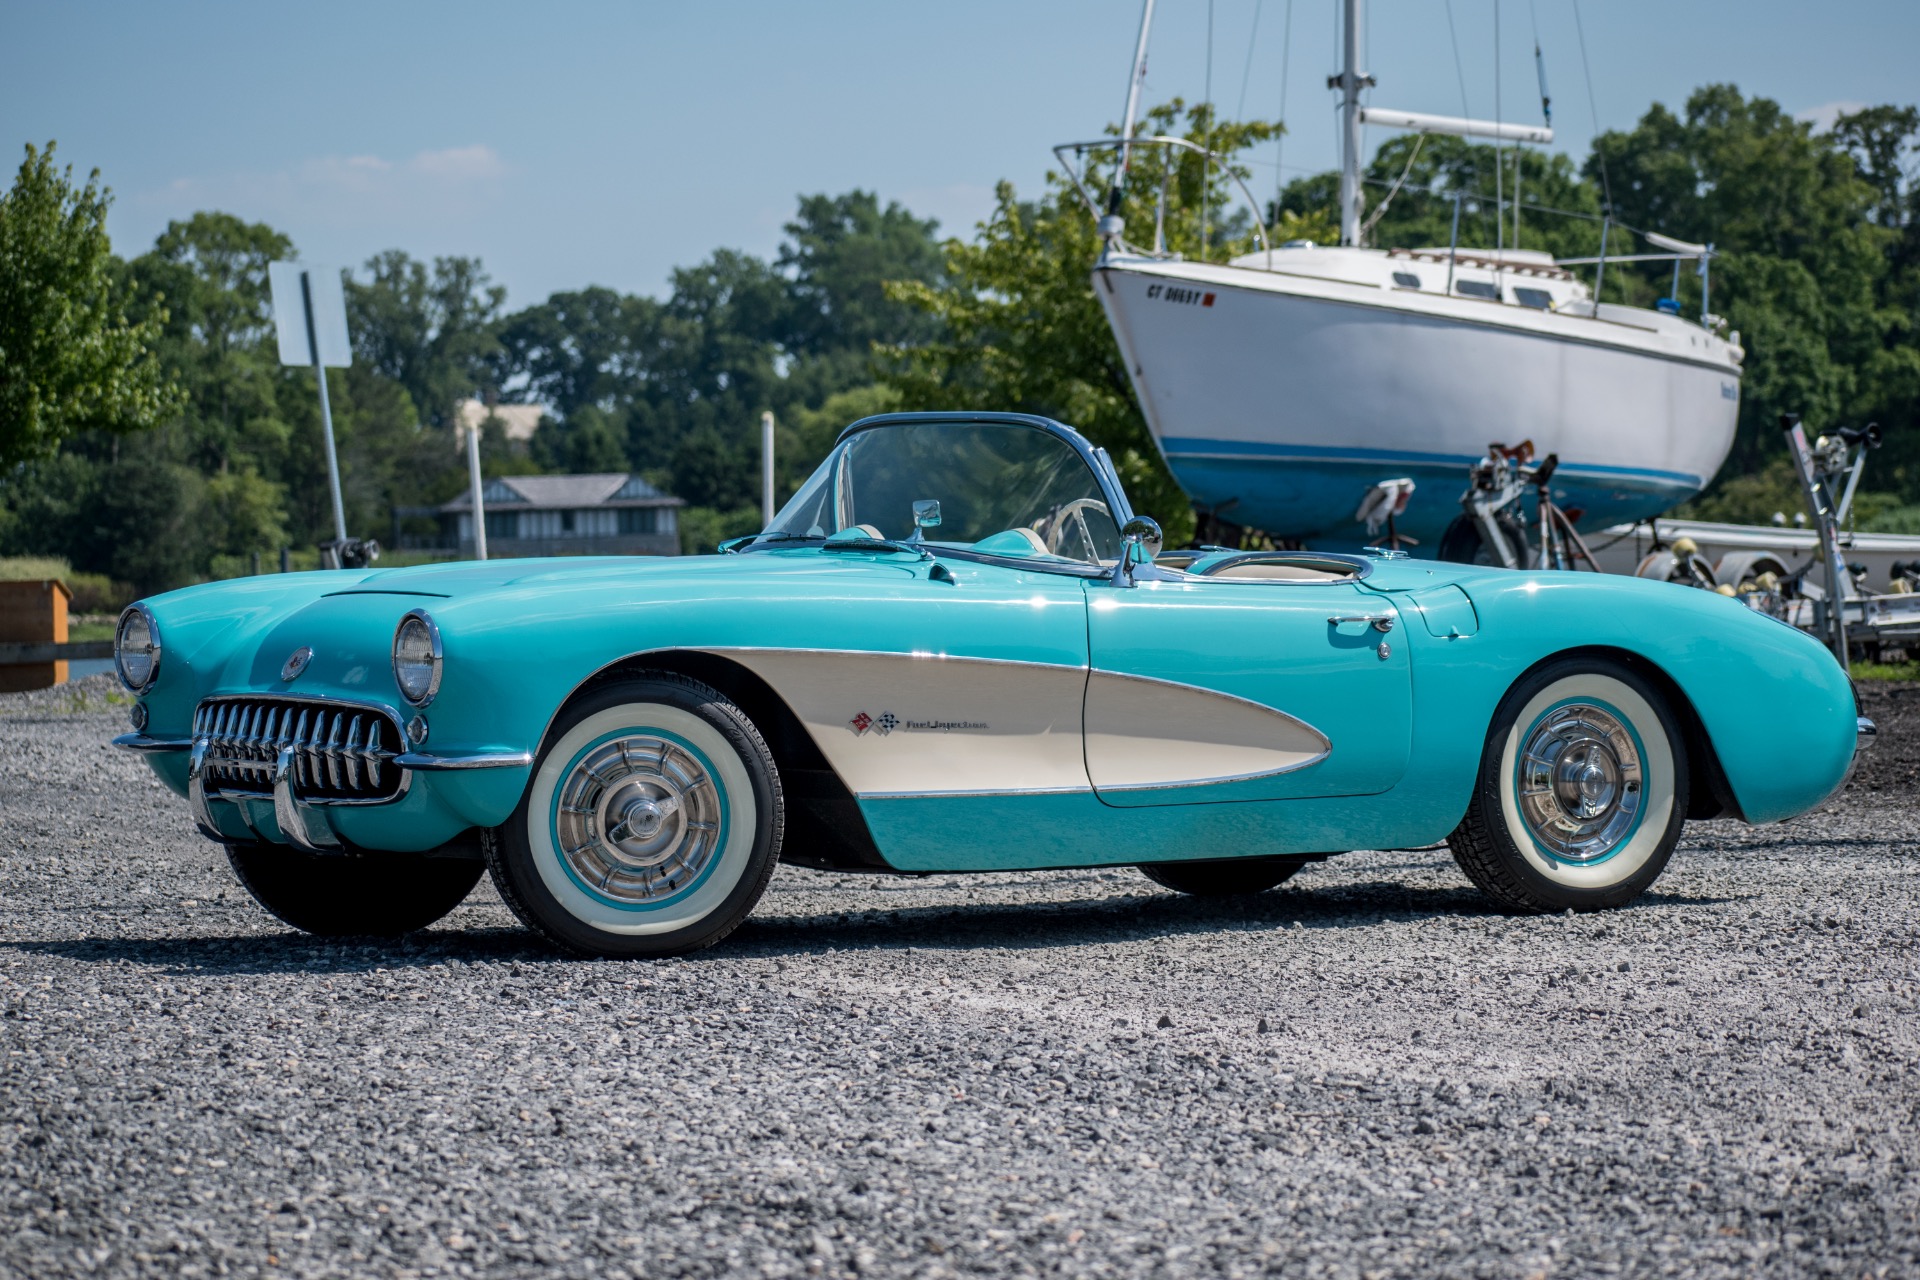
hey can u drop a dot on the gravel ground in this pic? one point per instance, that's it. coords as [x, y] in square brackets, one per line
[1364, 1073]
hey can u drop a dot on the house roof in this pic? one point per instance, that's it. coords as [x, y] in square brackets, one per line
[567, 493]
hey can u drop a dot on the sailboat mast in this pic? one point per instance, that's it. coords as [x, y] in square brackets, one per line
[1350, 82]
[1136, 77]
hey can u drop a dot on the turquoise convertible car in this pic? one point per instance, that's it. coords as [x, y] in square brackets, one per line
[956, 648]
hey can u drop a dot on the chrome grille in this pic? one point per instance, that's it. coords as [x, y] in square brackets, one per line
[341, 751]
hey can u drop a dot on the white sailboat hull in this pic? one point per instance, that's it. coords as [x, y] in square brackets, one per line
[1279, 399]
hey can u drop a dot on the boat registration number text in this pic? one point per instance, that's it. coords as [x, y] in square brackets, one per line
[1174, 293]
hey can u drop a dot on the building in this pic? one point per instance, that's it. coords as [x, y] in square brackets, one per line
[517, 421]
[609, 513]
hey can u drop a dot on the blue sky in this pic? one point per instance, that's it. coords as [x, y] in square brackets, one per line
[576, 143]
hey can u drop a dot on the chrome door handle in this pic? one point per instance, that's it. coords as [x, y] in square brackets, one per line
[1379, 621]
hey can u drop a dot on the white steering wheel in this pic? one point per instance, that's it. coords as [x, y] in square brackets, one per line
[1073, 517]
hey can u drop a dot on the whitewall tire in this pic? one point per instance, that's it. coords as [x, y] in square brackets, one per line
[1582, 791]
[651, 825]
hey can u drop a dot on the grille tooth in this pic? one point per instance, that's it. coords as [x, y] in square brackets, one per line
[268, 720]
[250, 741]
[337, 752]
[257, 740]
[300, 750]
[372, 751]
[351, 756]
[333, 750]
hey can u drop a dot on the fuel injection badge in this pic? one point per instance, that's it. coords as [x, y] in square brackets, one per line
[886, 722]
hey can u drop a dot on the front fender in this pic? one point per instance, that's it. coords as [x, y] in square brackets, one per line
[1776, 708]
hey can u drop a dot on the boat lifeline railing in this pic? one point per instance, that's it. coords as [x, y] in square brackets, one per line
[1675, 250]
[1112, 226]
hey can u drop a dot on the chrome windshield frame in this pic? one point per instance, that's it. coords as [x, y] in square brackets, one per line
[1106, 478]
[1104, 473]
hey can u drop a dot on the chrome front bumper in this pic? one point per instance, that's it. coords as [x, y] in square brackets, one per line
[1865, 732]
[302, 819]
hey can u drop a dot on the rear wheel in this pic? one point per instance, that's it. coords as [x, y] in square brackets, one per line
[1227, 877]
[377, 894]
[652, 824]
[1582, 791]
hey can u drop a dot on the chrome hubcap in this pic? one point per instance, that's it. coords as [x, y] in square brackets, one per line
[1580, 783]
[637, 819]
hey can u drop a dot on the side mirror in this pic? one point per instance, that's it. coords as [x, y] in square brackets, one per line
[1144, 532]
[1140, 541]
[926, 514]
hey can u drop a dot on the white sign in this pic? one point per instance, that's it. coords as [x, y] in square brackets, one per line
[300, 290]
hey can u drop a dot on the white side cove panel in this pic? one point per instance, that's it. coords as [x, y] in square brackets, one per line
[928, 725]
[1147, 734]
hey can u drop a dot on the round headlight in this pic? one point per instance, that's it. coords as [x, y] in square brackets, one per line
[136, 649]
[416, 658]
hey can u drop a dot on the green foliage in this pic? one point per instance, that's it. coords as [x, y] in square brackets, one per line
[810, 433]
[1411, 186]
[841, 252]
[70, 359]
[93, 593]
[1023, 329]
[1752, 498]
[1789, 210]
[431, 330]
[676, 387]
[703, 529]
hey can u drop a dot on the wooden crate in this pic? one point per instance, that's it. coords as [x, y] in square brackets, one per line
[33, 612]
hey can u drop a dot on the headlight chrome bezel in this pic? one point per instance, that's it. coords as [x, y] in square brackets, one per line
[436, 659]
[128, 615]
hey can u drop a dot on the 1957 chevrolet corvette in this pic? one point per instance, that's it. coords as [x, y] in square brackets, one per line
[956, 648]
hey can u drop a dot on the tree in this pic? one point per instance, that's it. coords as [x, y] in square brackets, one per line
[70, 360]
[216, 338]
[580, 349]
[1789, 211]
[841, 251]
[1021, 328]
[1881, 142]
[430, 330]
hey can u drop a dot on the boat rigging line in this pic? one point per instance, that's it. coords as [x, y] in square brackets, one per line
[1240, 110]
[1459, 70]
[1586, 71]
[1206, 139]
[1280, 140]
[1419, 140]
[1499, 156]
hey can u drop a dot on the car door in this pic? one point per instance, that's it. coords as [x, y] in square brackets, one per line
[916, 682]
[1210, 689]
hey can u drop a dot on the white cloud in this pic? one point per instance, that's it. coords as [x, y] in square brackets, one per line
[477, 161]
[341, 190]
[1823, 116]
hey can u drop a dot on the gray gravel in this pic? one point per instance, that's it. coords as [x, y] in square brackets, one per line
[1365, 1073]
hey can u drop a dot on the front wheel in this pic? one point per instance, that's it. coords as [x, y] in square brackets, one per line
[652, 824]
[1227, 877]
[347, 895]
[1581, 794]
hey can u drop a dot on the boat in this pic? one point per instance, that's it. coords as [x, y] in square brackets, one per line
[1283, 386]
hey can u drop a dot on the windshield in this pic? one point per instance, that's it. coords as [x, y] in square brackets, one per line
[1002, 490]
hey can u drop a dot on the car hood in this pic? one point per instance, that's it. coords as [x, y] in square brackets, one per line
[473, 577]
